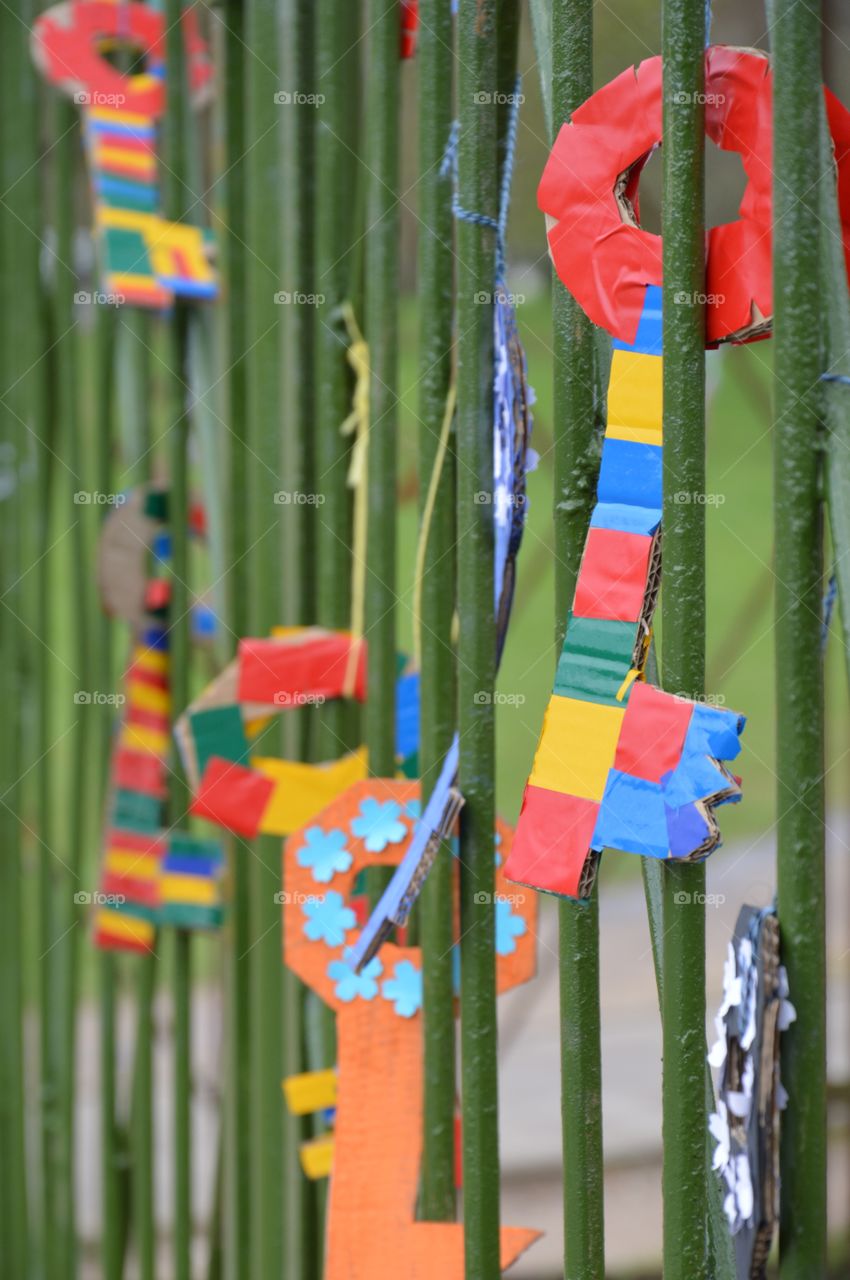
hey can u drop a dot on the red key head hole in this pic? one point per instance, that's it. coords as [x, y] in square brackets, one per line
[589, 193]
[68, 46]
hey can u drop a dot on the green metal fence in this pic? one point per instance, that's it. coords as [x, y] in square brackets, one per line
[298, 172]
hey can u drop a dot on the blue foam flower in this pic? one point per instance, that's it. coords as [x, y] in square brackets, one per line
[379, 824]
[413, 809]
[328, 919]
[350, 985]
[324, 852]
[509, 927]
[405, 989]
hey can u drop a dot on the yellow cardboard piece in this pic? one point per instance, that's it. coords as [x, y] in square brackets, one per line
[310, 1091]
[317, 1156]
[635, 396]
[199, 890]
[558, 766]
[303, 790]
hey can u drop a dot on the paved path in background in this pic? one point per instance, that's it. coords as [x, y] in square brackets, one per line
[529, 1080]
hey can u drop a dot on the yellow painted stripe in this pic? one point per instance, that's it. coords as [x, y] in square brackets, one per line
[576, 747]
[641, 435]
[310, 1091]
[155, 660]
[138, 737]
[303, 790]
[129, 862]
[635, 391]
[317, 1156]
[143, 164]
[121, 925]
[196, 889]
[105, 115]
[149, 224]
[147, 697]
[124, 282]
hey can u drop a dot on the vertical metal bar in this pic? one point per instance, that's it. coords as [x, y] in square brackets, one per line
[799, 668]
[134, 344]
[176, 200]
[66, 867]
[264, 208]
[22, 346]
[338, 86]
[381, 328]
[477, 192]
[238, 1250]
[298, 530]
[111, 1238]
[435, 288]
[338, 83]
[576, 466]
[683, 616]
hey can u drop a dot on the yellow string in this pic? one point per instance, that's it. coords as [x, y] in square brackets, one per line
[631, 676]
[357, 424]
[425, 528]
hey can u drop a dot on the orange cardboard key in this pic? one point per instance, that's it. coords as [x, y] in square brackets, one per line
[373, 1232]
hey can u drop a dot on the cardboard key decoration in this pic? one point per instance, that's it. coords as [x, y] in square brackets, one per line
[372, 1226]
[146, 260]
[620, 764]
[239, 788]
[589, 194]
[149, 876]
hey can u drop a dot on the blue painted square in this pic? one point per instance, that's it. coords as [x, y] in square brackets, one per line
[648, 338]
[630, 474]
[632, 817]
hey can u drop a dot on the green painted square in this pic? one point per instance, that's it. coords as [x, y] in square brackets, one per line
[186, 916]
[156, 505]
[219, 732]
[181, 845]
[596, 658]
[136, 811]
[126, 252]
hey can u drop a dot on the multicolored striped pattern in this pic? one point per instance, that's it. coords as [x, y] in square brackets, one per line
[135, 845]
[619, 763]
[146, 260]
[149, 876]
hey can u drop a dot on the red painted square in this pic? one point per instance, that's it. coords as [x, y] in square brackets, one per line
[653, 732]
[551, 841]
[612, 579]
[139, 771]
[232, 796]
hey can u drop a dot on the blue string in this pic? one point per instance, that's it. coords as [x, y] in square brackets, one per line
[448, 168]
[829, 600]
[836, 377]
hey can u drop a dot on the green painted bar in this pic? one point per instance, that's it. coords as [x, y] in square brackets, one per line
[437, 713]
[683, 617]
[22, 344]
[298, 529]
[381, 332]
[237, 1146]
[798, 440]
[576, 465]
[478, 192]
[264, 210]
[338, 178]
[176, 200]
[67, 843]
